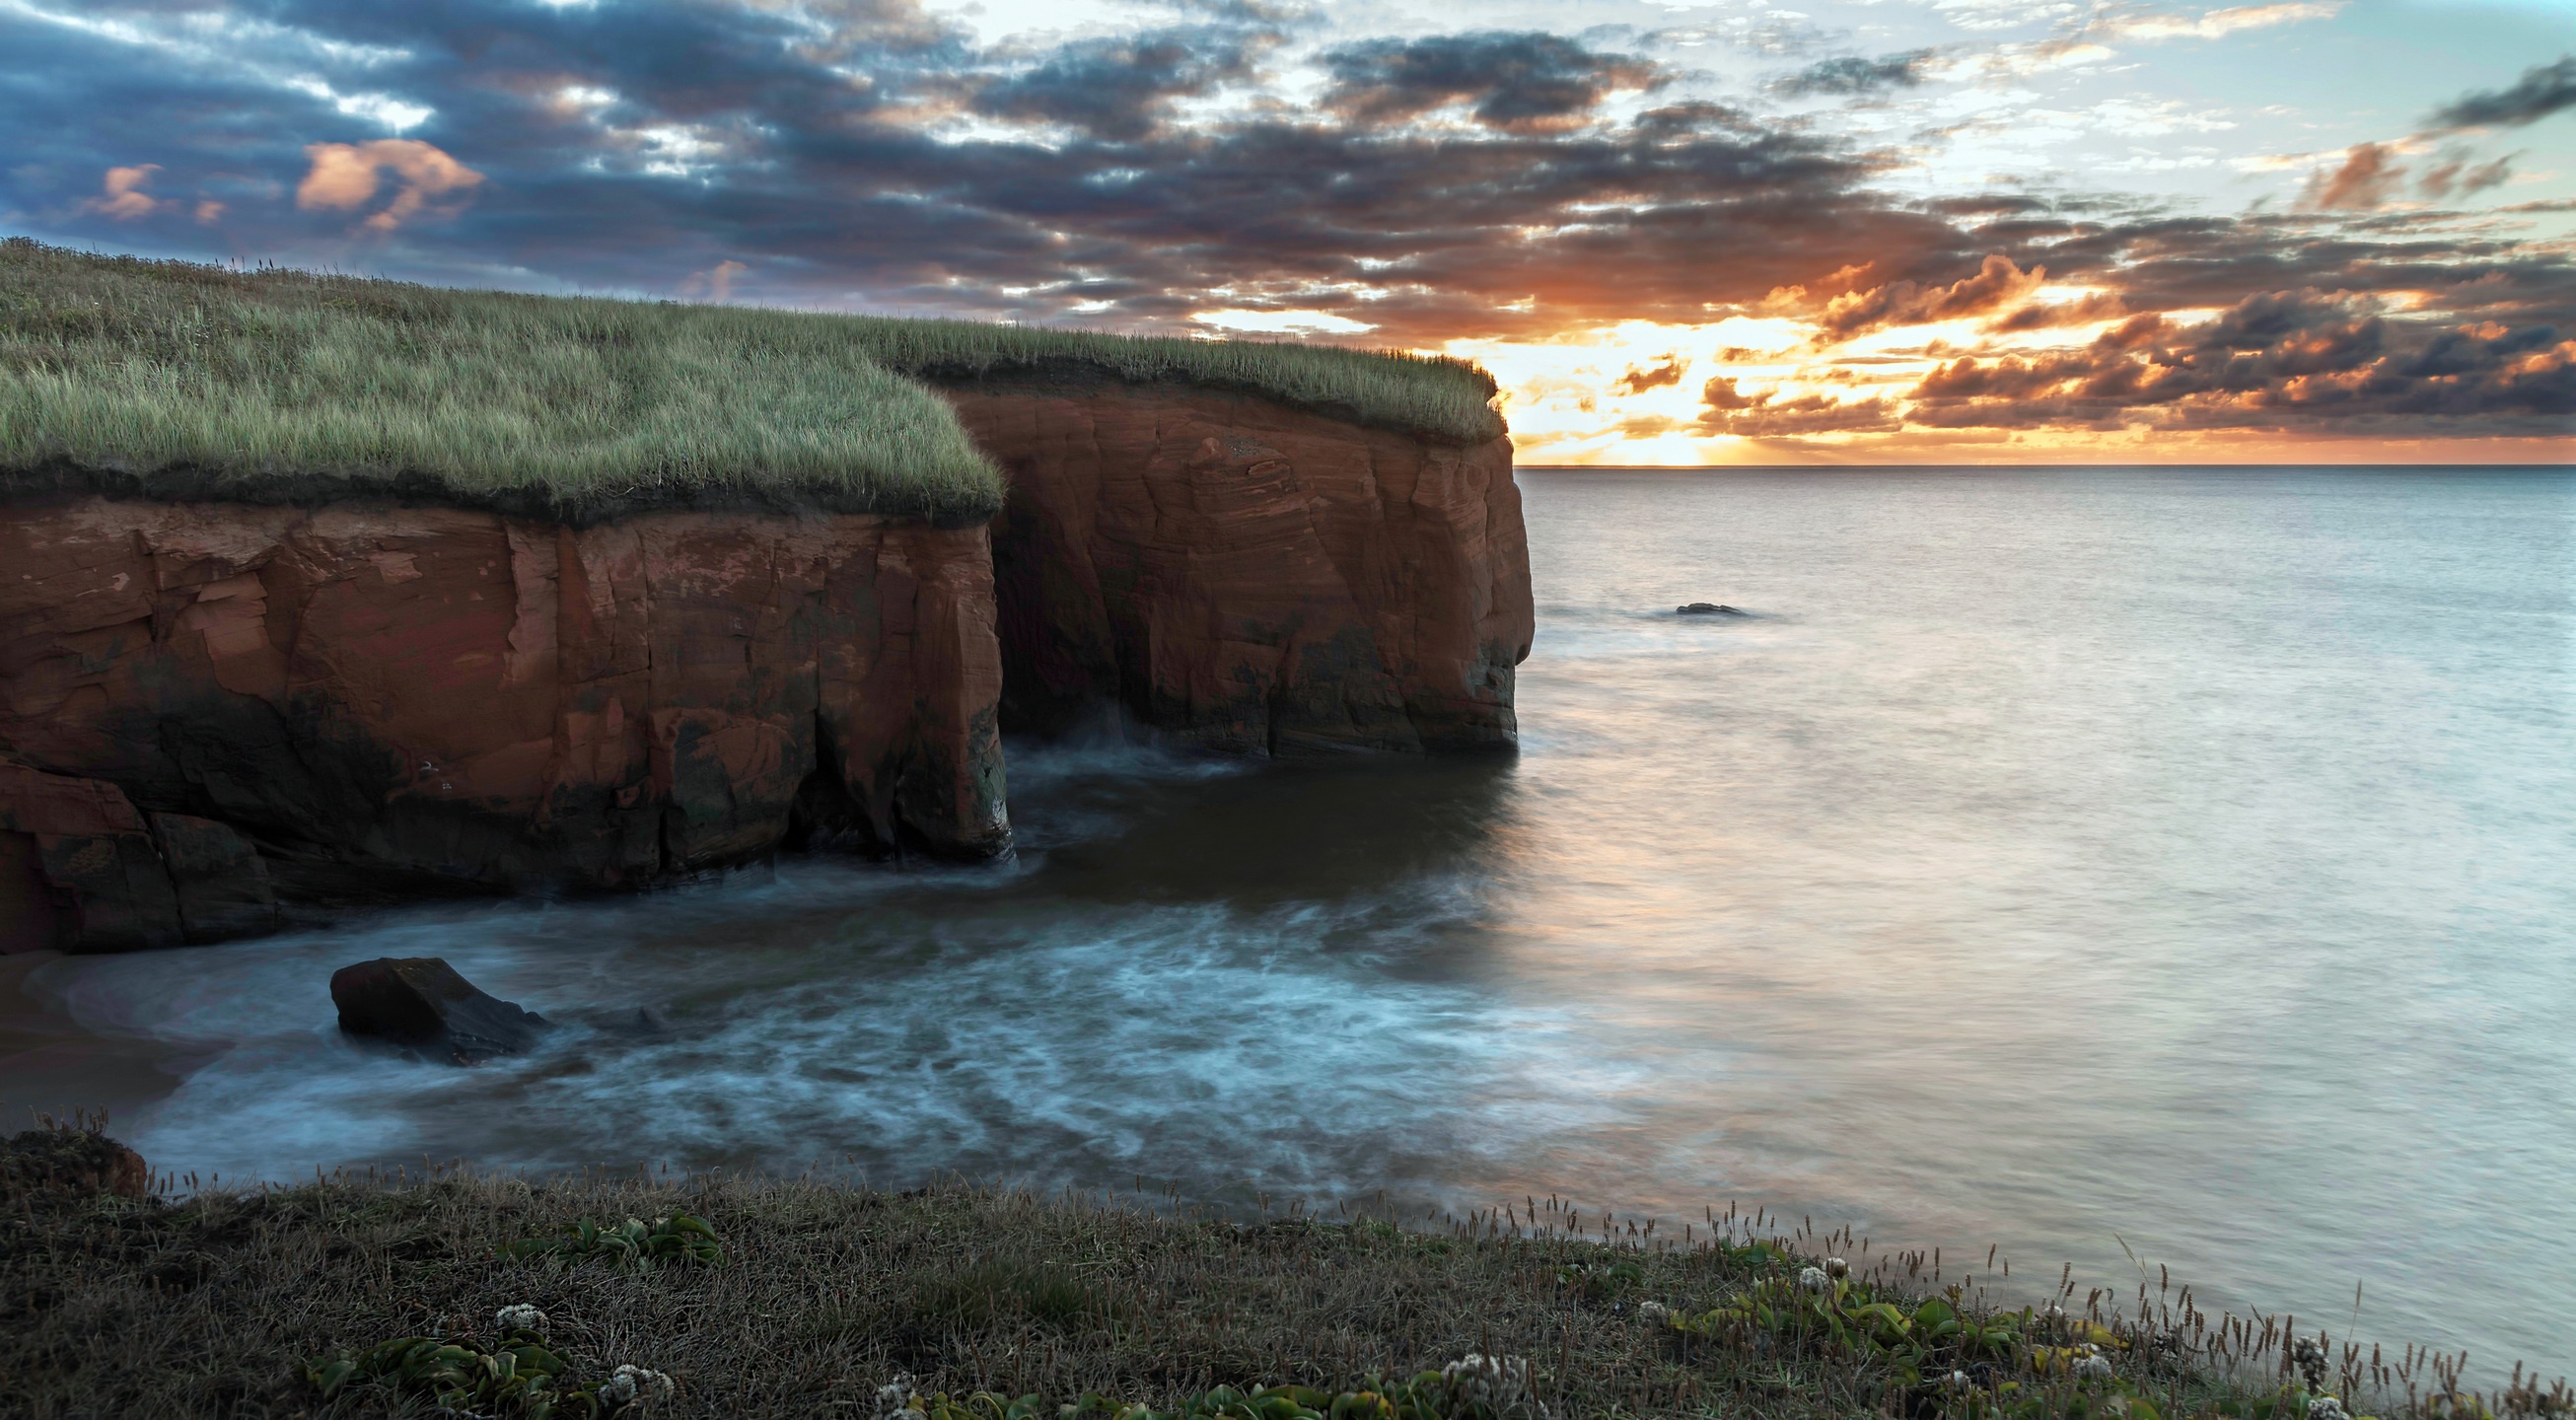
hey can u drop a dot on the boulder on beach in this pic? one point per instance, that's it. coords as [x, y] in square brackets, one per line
[1706, 609]
[423, 1005]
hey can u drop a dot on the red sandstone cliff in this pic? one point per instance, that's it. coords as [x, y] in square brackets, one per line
[197, 699]
[1248, 576]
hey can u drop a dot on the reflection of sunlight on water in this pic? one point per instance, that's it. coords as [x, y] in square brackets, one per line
[2180, 855]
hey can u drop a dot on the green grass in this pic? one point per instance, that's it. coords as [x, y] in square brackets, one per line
[182, 380]
[1435, 396]
[250, 1303]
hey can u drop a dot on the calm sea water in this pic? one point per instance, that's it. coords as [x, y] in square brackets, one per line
[2186, 856]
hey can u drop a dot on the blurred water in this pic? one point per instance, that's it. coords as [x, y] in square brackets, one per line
[2184, 855]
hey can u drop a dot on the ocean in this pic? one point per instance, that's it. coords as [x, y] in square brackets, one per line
[2078, 863]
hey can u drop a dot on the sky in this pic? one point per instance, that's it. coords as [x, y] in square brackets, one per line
[1678, 233]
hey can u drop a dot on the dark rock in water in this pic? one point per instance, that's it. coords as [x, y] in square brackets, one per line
[1706, 609]
[420, 1003]
[72, 1160]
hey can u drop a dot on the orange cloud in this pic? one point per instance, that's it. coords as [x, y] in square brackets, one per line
[347, 176]
[2369, 176]
[715, 283]
[1998, 283]
[122, 196]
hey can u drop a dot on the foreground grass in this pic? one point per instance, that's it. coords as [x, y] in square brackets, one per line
[185, 380]
[820, 1296]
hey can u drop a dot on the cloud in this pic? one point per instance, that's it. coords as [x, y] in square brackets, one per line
[2084, 310]
[1668, 371]
[1124, 88]
[2274, 359]
[2369, 177]
[1727, 410]
[713, 284]
[2216, 24]
[869, 155]
[2541, 91]
[121, 195]
[1855, 75]
[346, 176]
[2457, 174]
[1998, 283]
[1518, 83]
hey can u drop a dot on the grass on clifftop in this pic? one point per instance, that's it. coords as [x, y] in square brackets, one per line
[186, 380]
[768, 1297]
[1432, 395]
[211, 383]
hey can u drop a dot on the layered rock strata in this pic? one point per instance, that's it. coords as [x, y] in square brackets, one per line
[1247, 576]
[197, 699]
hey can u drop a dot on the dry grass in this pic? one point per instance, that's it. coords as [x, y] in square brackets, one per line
[212, 1307]
[175, 379]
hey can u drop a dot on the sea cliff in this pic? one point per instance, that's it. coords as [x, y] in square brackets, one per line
[329, 590]
[365, 699]
[1247, 576]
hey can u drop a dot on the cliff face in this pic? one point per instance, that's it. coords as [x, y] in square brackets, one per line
[380, 698]
[1248, 576]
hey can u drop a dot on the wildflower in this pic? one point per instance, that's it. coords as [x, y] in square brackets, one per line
[2093, 1365]
[520, 1316]
[1836, 1268]
[895, 1396]
[2310, 1358]
[634, 1385]
[2325, 1407]
[1498, 1383]
[1813, 1279]
[1654, 1313]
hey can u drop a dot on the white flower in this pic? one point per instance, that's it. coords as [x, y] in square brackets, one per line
[895, 1396]
[1813, 1279]
[1654, 1313]
[2325, 1407]
[1495, 1382]
[636, 1385]
[1836, 1267]
[520, 1316]
[2093, 1364]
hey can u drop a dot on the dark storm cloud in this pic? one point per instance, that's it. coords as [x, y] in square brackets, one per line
[2540, 92]
[1855, 75]
[1122, 89]
[863, 154]
[1520, 83]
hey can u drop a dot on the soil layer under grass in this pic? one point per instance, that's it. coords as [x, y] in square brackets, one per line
[222, 1304]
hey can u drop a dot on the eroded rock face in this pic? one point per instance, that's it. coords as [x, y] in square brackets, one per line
[382, 698]
[1250, 577]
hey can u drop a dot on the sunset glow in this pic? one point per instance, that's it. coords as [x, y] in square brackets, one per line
[1677, 231]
